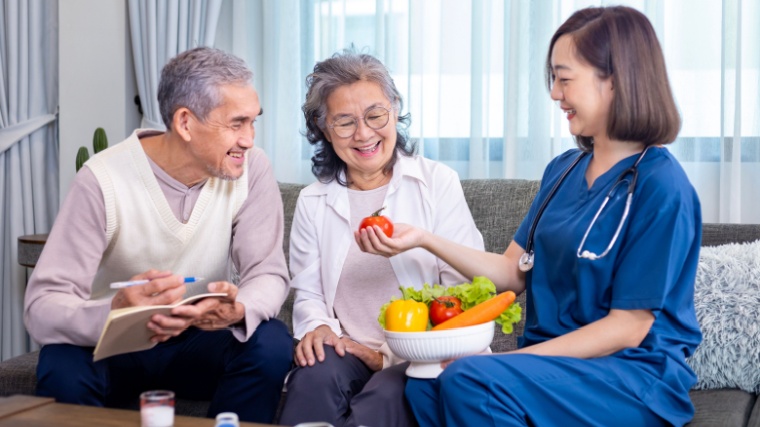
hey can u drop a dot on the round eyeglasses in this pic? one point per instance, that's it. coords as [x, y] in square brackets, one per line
[375, 118]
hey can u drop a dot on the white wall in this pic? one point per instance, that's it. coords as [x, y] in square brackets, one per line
[97, 81]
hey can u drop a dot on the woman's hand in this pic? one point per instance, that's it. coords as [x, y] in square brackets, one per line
[311, 348]
[373, 240]
[371, 358]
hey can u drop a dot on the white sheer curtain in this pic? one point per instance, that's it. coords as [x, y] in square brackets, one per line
[471, 72]
[274, 37]
[28, 148]
[161, 30]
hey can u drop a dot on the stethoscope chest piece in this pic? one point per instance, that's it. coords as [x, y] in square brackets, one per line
[526, 262]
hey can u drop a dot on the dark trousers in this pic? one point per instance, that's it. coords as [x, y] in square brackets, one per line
[344, 392]
[241, 377]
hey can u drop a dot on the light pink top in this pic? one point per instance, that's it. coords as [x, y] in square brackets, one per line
[367, 280]
[58, 310]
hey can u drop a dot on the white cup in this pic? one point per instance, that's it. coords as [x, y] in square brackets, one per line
[157, 408]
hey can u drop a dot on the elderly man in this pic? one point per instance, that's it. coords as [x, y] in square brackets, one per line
[195, 200]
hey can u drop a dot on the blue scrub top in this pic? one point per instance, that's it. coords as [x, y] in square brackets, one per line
[651, 266]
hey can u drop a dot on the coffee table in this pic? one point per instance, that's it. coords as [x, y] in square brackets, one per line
[33, 411]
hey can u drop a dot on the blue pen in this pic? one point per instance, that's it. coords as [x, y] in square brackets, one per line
[120, 285]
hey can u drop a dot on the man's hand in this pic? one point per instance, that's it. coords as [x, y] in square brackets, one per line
[164, 288]
[311, 347]
[216, 312]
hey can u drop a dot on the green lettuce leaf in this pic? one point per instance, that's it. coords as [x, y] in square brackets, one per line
[470, 294]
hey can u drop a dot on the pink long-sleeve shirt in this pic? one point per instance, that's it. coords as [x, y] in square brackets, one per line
[58, 308]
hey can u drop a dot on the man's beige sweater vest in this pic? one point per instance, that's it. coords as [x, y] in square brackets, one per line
[143, 232]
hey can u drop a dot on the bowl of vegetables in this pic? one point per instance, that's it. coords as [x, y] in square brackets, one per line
[426, 350]
[433, 324]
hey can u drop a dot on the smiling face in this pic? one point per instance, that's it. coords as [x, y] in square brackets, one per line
[219, 143]
[582, 95]
[368, 150]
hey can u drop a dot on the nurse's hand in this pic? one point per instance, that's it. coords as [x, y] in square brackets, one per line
[373, 240]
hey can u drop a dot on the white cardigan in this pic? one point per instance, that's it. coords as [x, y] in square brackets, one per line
[422, 192]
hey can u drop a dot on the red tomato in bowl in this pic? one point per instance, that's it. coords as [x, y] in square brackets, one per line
[444, 308]
[383, 222]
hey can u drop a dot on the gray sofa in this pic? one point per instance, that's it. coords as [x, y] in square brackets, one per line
[498, 207]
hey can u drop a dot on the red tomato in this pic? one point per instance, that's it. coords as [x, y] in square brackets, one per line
[376, 219]
[444, 308]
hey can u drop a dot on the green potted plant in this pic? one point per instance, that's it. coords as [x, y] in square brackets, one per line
[99, 143]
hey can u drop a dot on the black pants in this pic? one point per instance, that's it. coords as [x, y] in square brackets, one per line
[344, 392]
[241, 377]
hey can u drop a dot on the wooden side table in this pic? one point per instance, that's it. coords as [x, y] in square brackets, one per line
[30, 248]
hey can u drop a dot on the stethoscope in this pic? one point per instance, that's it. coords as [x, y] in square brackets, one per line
[526, 260]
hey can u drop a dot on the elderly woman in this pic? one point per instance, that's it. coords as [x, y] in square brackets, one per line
[363, 161]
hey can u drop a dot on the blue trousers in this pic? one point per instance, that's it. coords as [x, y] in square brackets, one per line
[346, 393]
[241, 377]
[528, 390]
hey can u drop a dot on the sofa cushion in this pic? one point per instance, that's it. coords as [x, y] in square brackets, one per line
[498, 207]
[727, 301]
[289, 194]
[726, 407]
[18, 375]
[754, 418]
[502, 342]
[721, 234]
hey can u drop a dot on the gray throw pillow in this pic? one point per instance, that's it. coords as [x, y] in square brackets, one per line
[727, 302]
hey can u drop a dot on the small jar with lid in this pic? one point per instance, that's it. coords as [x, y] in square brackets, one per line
[227, 419]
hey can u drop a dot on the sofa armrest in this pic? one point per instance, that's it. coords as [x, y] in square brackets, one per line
[19, 375]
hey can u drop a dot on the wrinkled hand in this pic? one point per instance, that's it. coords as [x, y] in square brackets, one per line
[371, 358]
[311, 347]
[215, 312]
[164, 288]
[373, 240]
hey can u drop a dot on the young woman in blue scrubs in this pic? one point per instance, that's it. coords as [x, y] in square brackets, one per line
[610, 310]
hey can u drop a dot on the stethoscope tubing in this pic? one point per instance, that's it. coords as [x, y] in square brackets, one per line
[527, 259]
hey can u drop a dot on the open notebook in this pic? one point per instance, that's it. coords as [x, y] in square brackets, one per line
[126, 331]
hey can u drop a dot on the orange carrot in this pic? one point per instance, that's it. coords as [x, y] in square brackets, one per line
[481, 313]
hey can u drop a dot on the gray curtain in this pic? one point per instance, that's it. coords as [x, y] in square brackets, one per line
[28, 148]
[161, 30]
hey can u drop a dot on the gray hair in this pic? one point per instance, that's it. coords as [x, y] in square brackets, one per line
[343, 69]
[192, 80]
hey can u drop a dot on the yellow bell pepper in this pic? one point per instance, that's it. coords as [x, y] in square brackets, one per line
[406, 316]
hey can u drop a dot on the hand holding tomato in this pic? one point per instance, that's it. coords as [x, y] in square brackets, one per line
[383, 222]
[444, 308]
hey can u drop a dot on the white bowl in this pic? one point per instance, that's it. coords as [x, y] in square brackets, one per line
[426, 350]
